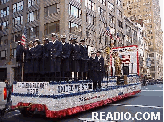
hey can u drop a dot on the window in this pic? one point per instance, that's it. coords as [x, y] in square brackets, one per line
[111, 19]
[14, 8]
[5, 12]
[75, 29]
[32, 2]
[110, 6]
[128, 29]
[17, 21]
[74, 11]
[90, 19]
[51, 27]
[3, 1]
[14, 52]
[78, 1]
[18, 6]
[120, 24]
[90, 4]
[103, 2]
[33, 16]
[119, 13]
[4, 25]
[101, 11]
[3, 54]
[50, 9]
[152, 68]
[151, 55]
[118, 2]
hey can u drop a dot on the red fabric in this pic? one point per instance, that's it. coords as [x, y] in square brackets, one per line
[69, 111]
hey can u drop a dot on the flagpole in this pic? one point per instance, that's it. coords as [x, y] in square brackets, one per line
[24, 46]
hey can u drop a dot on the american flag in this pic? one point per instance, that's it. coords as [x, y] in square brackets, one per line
[24, 35]
[125, 59]
[107, 31]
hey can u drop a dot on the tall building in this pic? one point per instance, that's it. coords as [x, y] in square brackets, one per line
[148, 12]
[79, 18]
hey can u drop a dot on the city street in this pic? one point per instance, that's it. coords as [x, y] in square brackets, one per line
[149, 100]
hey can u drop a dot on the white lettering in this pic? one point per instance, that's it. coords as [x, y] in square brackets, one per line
[94, 116]
[116, 116]
[122, 115]
[101, 115]
[147, 117]
[129, 115]
[109, 116]
[137, 117]
[155, 117]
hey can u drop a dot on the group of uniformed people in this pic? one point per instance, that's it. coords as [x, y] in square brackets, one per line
[58, 60]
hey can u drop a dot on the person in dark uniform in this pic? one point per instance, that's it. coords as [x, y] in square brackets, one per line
[93, 69]
[83, 60]
[45, 60]
[37, 55]
[19, 59]
[144, 80]
[9, 91]
[55, 48]
[65, 69]
[28, 65]
[100, 68]
[74, 57]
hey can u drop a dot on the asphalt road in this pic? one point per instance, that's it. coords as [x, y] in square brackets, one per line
[149, 100]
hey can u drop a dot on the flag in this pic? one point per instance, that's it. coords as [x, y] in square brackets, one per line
[125, 59]
[107, 31]
[24, 35]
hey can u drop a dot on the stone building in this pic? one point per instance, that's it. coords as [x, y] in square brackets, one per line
[79, 18]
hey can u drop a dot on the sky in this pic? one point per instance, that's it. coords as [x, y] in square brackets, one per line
[161, 3]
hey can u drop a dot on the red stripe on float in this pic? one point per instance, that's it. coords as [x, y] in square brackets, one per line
[74, 110]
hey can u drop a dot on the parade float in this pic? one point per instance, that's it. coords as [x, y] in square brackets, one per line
[59, 99]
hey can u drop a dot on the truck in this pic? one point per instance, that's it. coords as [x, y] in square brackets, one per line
[3, 95]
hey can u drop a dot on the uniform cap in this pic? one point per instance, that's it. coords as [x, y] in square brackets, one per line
[82, 40]
[73, 39]
[92, 52]
[19, 41]
[63, 36]
[99, 51]
[45, 39]
[53, 34]
[36, 39]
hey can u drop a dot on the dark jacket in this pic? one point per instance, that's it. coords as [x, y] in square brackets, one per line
[100, 65]
[84, 53]
[75, 52]
[19, 53]
[74, 57]
[37, 55]
[65, 57]
[28, 61]
[55, 56]
[45, 59]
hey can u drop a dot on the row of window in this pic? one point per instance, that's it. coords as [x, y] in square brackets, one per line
[3, 54]
[90, 4]
[32, 2]
[3, 1]
[33, 32]
[18, 6]
[4, 25]
[33, 16]
[5, 12]
[18, 21]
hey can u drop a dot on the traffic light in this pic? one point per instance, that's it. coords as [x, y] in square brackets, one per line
[107, 50]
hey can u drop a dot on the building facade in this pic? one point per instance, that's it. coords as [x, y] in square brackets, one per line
[148, 12]
[83, 19]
